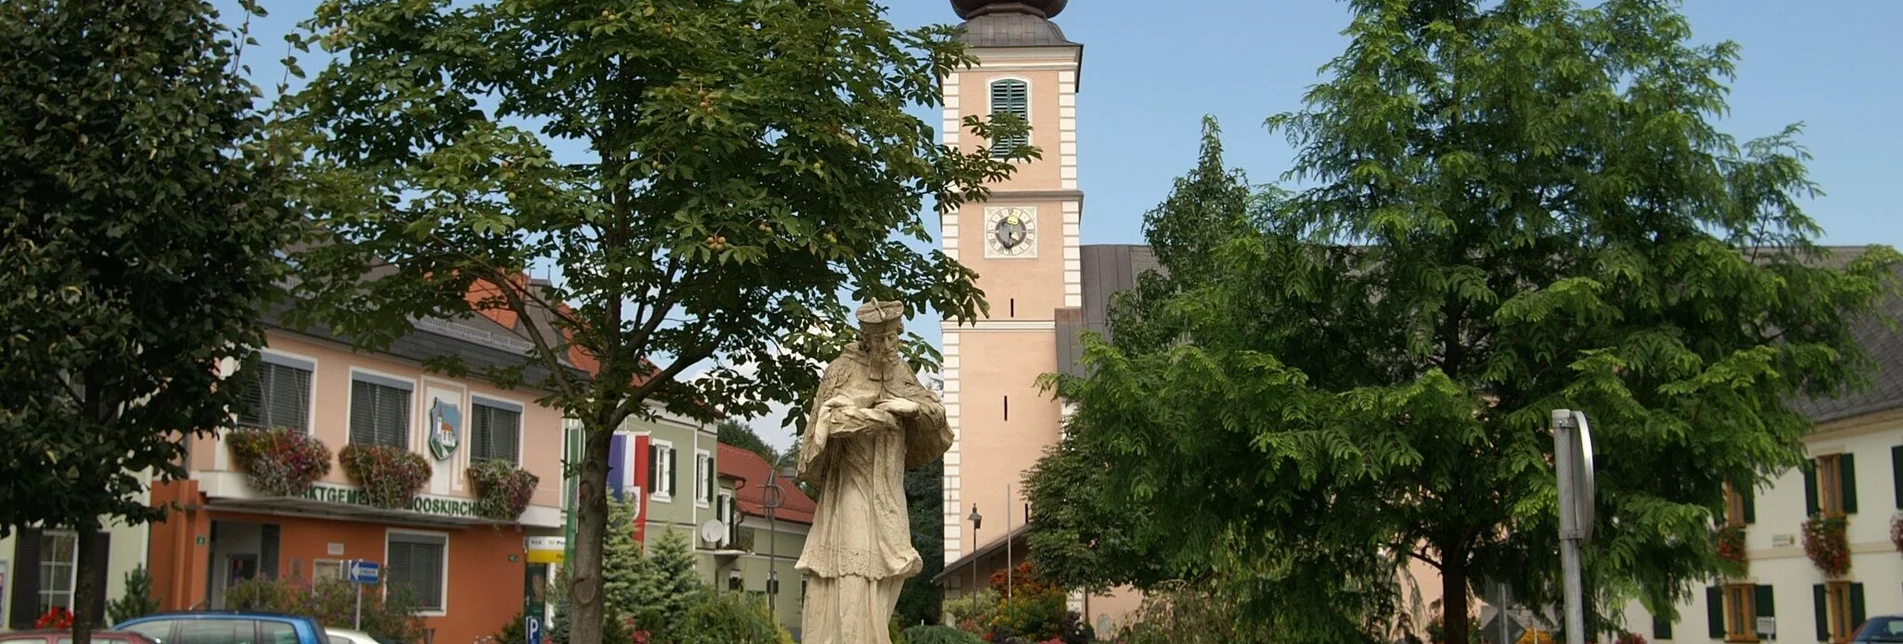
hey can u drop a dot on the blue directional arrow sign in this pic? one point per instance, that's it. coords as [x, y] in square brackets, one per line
[360, 571]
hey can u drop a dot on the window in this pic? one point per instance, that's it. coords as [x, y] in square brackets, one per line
[703, 478]
[1740, 505]
[279, 395]
[271, 632]
[158, 631]
[1661, 628]
[59, 559]
[495, 431]
[1830, 485]
[216, 631]
[1839, 610]
[723, 510]
[418, 561]
[1743, 604]
[661, 471]
[380, 411]
[1010, 96]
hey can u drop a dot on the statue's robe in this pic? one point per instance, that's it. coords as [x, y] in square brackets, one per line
[859, 551]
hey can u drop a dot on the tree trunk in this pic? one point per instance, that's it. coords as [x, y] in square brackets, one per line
[1453, 597]
[85, 594]
[586, 607]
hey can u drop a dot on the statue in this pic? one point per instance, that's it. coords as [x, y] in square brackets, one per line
[871, 421]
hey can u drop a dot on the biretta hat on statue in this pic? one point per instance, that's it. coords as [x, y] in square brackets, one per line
[875, 312]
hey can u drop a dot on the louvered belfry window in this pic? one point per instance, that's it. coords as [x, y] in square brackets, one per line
[380, 411]
[495, 432]
[416, 560]
[1010, 96]
[279, 395]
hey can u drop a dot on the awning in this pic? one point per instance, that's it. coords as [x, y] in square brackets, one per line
[1015, 537]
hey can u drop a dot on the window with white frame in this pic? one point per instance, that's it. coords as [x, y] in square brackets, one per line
[495, 431]
[327, 569]
[418, 561]
[59, 565]
[703, 478]
[723, 510]
[380, 410]
[661, 471]
[277, 393]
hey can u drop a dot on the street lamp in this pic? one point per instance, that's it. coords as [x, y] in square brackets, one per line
[772, 499]
[976, 520]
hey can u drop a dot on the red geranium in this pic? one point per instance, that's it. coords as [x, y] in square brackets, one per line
[56, 618]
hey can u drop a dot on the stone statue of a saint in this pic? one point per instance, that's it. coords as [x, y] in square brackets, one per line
[871, 421]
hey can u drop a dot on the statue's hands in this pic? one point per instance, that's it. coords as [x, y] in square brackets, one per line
[899, 407]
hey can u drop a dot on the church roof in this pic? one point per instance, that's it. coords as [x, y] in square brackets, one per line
[968, 9]
[1007, 29]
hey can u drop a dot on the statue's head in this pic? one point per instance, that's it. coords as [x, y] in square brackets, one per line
[879, 325]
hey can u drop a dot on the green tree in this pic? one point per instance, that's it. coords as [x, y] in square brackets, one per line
[139, 214]
[1508, 208]
[621, 565]
[921, 597]
[707, 178]
[137, 600]
[667, 588]
[738, 434]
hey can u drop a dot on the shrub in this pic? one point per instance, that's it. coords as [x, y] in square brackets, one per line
[138, 600]
[390, 477]
[936, 634]
[279, 462]
[972, 613]
[1181, 613]
[502, 490]
[1630, 638]
[730, 618]
[388, 613]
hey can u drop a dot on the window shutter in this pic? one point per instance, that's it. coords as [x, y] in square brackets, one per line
[363, 413]
[1715, 611]
[1896, 474]
[654, 467]
[24, 609]
[1748, 496]
[1820, 607]
[710, 478]
[1010, 96]
[671, 477]
[1856, 608]
[286, 398]
[1661, 628]
[393, 417]
[1809, 471]
[1847, 469]
[101, 553]
[481, 444]
[429, 574]
[1766, 604]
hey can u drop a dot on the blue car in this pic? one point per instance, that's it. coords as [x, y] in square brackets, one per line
[226, 627]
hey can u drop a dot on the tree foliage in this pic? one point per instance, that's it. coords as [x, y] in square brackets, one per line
[738, 434]
[139, 212]
[622, 574]
[920, 599]
[1505, 208]
[707, 179]
[666, 588]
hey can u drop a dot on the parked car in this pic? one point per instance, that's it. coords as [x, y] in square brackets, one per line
[226, 627]
[66, 637]
[347, 636]
[1882, 628]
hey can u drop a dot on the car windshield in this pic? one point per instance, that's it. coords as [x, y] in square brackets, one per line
[1881, 629]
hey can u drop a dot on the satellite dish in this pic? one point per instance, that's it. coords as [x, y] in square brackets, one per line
[714, 532]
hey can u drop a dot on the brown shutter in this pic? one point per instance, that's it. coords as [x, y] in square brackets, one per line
[24, 608]
[102, 556]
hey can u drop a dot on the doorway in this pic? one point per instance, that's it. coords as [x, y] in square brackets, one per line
[240, 551]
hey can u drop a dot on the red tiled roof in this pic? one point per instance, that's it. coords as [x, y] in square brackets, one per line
[753, 472]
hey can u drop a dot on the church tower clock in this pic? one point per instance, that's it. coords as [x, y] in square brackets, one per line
[1024, 245]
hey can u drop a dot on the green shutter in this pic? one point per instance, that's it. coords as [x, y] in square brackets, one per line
[1856, 607]
[1766, 604]
[1010, 96]
[1847, 468]
[1661, 628]
[1809, 470]
[1896, 474]
[1748, 497]
[1715, 611]
[1820, 606]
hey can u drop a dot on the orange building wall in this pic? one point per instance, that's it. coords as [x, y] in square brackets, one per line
[975, 92]
[1034, 287]
[996, 452]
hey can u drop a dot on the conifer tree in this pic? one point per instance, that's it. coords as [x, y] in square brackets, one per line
[137, 600]
[1507, 208]
[621, 561]
[667, 586]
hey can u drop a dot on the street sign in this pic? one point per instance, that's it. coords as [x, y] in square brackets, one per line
[1586, 491]
[359, 571]
[547, 549]
[532, 629]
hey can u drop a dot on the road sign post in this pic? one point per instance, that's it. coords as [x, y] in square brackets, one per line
[359, 573]
[1573, 458]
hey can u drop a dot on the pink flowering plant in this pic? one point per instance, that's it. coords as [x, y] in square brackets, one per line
[502, 489]
[391, 477]
[1827, 545]
[279, 462]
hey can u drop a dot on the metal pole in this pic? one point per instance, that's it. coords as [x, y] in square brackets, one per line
[1565, 455]
[974, 557]
[356, 622]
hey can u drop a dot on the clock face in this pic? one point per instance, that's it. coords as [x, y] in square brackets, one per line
[1010, 231]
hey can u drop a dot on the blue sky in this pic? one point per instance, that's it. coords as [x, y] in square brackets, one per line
[1153, 69]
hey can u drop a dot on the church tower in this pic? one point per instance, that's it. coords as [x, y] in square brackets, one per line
[1024, 245]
